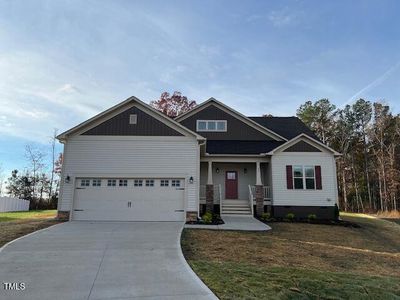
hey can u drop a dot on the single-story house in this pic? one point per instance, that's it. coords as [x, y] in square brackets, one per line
[132, 163]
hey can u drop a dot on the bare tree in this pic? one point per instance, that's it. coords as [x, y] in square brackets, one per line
[53, 160]
[35, 158]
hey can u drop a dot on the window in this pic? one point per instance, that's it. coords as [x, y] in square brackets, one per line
[132, 119]
[304, 177]
[211, 125]
[138, 182]
[111, 182]
[298, 177]
[310, 177]
[149, 182]
[96, 182]
[175, 182]
[164, 182]
[85, 182]
[123, 182]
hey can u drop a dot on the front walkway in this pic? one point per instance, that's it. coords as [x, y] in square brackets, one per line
[235, 222]
[101, 260]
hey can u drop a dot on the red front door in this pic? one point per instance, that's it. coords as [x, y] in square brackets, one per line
[231, 185]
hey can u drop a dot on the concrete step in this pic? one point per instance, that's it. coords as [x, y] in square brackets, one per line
[239, 202]
[236, 212]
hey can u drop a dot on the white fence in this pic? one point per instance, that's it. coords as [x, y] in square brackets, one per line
[13, 204]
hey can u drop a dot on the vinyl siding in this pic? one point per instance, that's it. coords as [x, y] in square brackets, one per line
[87, 156]
[284, 196]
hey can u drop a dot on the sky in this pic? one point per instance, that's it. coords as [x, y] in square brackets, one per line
[62, 62]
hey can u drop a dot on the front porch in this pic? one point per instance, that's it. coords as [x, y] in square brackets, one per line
[235, 186]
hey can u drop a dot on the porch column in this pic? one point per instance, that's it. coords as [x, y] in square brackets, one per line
[209, 189]
[259, 191]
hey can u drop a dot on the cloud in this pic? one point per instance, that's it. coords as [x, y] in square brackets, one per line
[69, 88]
[280, 18]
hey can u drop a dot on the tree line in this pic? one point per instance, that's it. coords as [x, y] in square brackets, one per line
[367, 135]
[39, 181]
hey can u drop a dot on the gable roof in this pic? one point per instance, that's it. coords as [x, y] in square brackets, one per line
[307, 138]
[231, 111]
[105, 115]
[289, 127]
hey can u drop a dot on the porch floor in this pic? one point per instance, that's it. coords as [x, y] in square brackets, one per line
[235, 222]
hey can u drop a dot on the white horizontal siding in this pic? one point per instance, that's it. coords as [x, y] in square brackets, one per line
[131, 157]
[284, 196]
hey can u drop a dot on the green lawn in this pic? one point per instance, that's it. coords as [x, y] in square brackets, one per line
[33, 214]
[16, 224]
[300, 261]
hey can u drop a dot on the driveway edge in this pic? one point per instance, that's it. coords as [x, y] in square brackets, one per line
[26, 235]
[189, 268]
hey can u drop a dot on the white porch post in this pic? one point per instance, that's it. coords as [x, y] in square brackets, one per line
[209, 177]
[258, 174]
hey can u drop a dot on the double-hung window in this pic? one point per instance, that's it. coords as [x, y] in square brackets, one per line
[211, 125]
[304, 177]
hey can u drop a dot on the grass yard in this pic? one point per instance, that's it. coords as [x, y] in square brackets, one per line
[16, 224]
[300, 261]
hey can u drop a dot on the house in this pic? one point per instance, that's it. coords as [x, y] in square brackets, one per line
[132, 163]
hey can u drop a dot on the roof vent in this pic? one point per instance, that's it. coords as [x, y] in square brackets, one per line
[132, 119]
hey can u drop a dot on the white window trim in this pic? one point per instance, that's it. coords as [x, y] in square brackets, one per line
[304, 177]
[211, 130]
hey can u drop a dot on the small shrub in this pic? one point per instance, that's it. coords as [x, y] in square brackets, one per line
[312, 217]
[207, 218]
[290, 216]
[265, 216]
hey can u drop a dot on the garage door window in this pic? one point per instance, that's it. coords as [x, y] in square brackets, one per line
[164, 182]
[138, 182]
[149, 182]
[175, 182]
[85, 182]
[123, 182]
[111, 182]
[96, 182]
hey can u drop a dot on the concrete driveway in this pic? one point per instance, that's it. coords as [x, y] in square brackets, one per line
[101, 260]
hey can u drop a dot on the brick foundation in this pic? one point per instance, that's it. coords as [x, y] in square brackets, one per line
[191, 216]
[210, 197]
[63, 215]
[259, 195]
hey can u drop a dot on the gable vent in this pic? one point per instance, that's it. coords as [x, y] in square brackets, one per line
[132, 119]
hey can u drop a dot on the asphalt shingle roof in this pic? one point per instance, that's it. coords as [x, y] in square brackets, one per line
[240, 147]
[288, 127]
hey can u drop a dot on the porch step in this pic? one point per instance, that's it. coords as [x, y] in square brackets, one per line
[240, 202]
[239, 209]
[236, 212]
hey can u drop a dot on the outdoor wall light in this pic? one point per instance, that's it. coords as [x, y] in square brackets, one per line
[217, 170]
[191, 179]
[245, 170]
[67, 179]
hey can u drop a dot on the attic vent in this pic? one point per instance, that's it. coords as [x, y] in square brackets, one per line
[132, 119]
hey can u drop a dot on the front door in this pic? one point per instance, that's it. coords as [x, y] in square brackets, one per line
[231, 185]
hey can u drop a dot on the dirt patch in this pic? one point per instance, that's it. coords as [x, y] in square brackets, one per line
[12, 230]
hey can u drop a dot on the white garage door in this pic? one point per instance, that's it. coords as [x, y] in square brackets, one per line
[129, 199]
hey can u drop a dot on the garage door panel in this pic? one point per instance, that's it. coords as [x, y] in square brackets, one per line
[129, 203]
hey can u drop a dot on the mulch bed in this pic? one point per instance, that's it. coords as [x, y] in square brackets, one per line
[317, 221]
